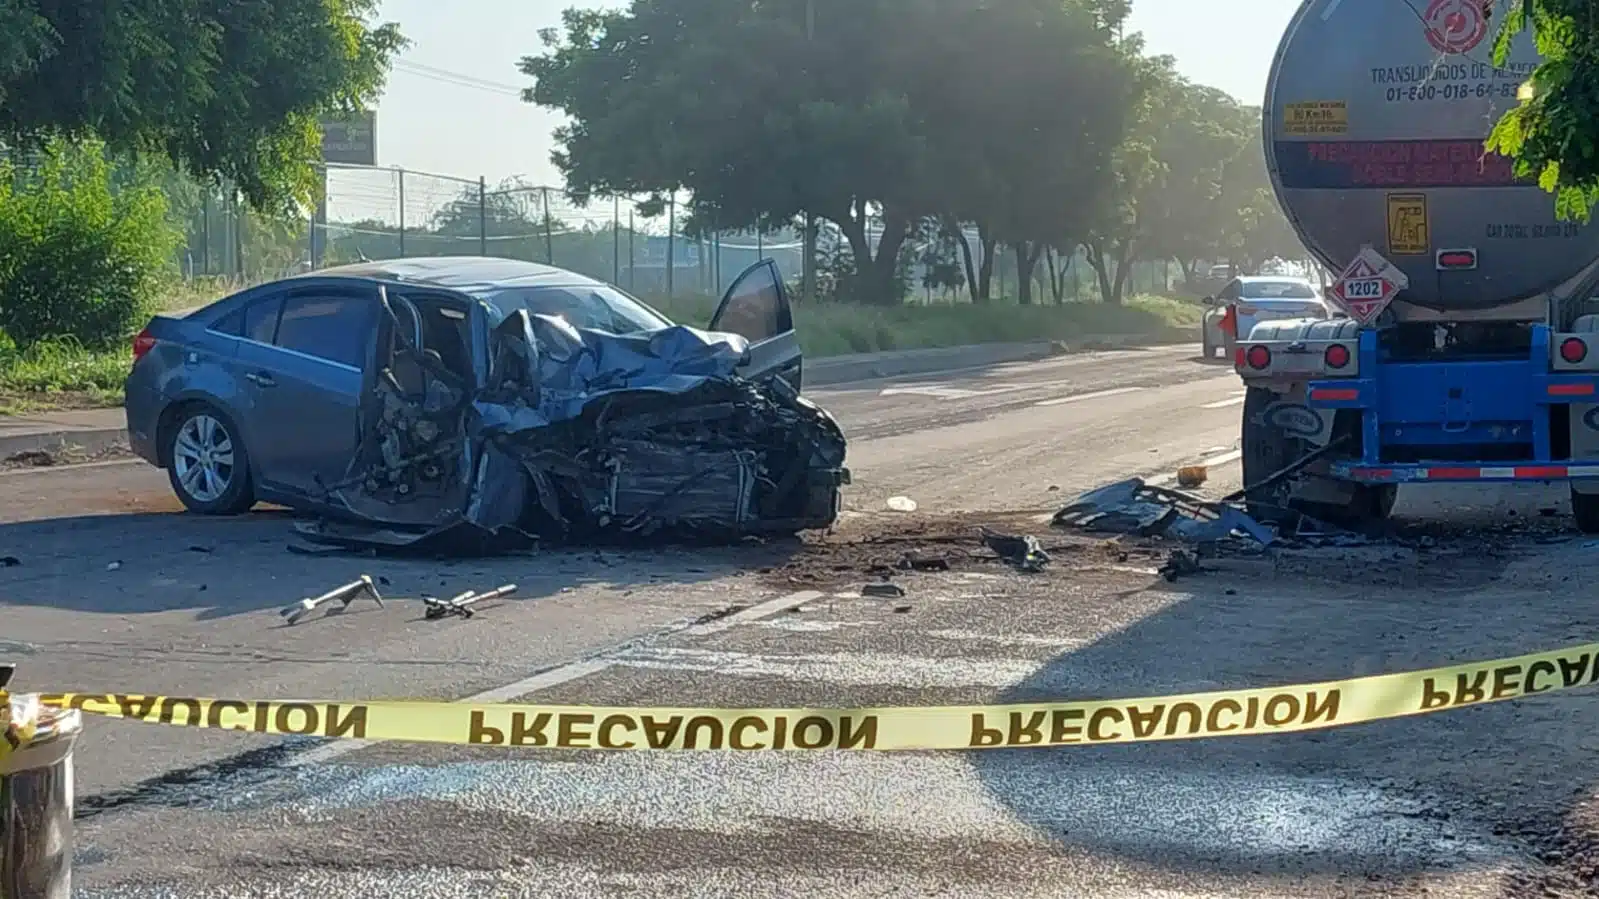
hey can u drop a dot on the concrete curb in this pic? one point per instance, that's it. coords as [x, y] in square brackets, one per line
[830, 372]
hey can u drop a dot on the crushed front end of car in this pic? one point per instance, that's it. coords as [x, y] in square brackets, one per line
[580, 435]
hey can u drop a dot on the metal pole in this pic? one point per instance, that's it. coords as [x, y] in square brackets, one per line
[549, 236]
[400, 179]
[671, 246]
[760, 245]
[483, 215]
[616, 241]
[632, 260]
[205, 233]
[808, 265]
[36, 836]
[238, 235]
[716, 259]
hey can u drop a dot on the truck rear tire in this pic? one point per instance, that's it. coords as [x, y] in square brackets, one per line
[1585, 508]
[1268, 450]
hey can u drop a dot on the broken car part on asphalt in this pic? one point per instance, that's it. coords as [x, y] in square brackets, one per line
[577, 434]
[1134, 507]
[461, 606]
[344, 595]
[1022, 551]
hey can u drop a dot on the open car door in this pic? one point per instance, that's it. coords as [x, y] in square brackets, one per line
[756, 308]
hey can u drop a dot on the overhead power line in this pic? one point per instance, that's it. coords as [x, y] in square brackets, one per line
[458, 79]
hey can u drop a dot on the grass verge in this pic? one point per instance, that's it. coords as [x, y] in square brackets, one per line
[62, 375]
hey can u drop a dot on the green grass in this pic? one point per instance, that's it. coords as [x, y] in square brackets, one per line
[59, 375]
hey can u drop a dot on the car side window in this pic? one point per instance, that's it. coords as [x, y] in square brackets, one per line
[257, 321]
[328, 325]
[1230, 292]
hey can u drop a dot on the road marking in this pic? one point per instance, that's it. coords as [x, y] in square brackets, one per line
[1061, 400]
[1222, 404]
[936, 392]
[1162, 480]
[574, 670]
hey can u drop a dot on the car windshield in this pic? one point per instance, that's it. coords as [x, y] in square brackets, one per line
[1279, 290]
[593, 306]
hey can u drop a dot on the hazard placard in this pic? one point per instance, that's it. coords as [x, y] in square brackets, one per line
[1367, 286]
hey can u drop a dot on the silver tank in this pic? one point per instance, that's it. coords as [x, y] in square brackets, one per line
[1375, 116]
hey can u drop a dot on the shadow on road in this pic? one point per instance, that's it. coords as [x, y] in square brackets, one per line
[1394, 798]
[220, 567]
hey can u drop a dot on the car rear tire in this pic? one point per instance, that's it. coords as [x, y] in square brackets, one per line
[207, 463]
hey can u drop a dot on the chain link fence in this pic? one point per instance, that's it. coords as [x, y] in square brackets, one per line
[383, 213]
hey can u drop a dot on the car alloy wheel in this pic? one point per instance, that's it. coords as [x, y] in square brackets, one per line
[203, 458]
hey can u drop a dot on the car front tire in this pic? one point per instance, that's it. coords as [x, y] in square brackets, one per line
[207, 463]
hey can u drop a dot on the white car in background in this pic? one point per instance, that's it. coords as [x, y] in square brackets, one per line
[1256, 299]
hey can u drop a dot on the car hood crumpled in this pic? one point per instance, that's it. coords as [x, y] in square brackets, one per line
[582, 434]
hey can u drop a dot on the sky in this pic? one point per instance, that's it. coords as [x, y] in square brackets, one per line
[451, 106]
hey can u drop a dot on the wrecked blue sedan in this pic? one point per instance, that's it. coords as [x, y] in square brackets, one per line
[487, 402]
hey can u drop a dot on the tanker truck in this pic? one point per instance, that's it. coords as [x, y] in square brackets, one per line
[1468, 346]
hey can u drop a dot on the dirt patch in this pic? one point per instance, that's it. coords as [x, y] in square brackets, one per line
[879, 546]
[63, 454]
[14, 402]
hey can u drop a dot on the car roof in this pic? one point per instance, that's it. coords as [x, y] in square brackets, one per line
[1256, 279]
[466, 274]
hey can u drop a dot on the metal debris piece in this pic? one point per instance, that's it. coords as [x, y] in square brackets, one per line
[913, 562]
[883, 591]
[1134, 507]
[346, 594]
[1021, 550]
[460, 606]
[1180, 564]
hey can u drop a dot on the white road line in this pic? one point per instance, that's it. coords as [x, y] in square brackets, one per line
[570, 672]
[1222, 404]
[1061, 400]
[1161, 480]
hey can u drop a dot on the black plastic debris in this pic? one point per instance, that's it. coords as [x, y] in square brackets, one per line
[1134, 507]
[1021, 550]
[914, 562]
[9, 561]
[883, 591]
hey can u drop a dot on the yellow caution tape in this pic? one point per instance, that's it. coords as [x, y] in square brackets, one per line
[1224, 713]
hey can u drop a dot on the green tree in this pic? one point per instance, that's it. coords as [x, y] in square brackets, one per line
[1024, 148]
[225, 89]
[78, 258]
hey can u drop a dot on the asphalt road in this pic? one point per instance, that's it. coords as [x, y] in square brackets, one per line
[116, 591]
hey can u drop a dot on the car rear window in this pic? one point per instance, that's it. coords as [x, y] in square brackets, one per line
[1279, 290]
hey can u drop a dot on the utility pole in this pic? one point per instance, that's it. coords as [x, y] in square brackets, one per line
[808, 269]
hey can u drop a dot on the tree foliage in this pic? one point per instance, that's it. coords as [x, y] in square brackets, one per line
[225, 89]
[79, 258]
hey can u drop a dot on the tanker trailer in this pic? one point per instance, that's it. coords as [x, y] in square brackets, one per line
[1471, 348]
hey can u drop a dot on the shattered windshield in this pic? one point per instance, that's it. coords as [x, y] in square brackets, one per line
[593, 306]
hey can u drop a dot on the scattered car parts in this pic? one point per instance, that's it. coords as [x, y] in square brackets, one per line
[460, 606]
[345, 595]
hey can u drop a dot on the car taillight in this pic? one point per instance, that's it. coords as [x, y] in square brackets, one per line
[1573, 350]
[142, 343]
[1258, 357]
[1337, 356]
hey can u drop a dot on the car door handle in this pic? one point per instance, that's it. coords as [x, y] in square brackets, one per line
[261, 379]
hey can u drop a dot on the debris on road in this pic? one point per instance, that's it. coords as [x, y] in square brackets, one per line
[914, 562]
[1134, 507]
[460, 606]
[901, 504]
[1023, 551]
[1180, 563]
[346, 594]
[883, 590]
[1190, 477]
[581, 435]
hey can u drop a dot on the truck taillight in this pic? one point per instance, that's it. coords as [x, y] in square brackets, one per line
[1573, 350]
[142, 343]
[1258, 357]
[1337, 356]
